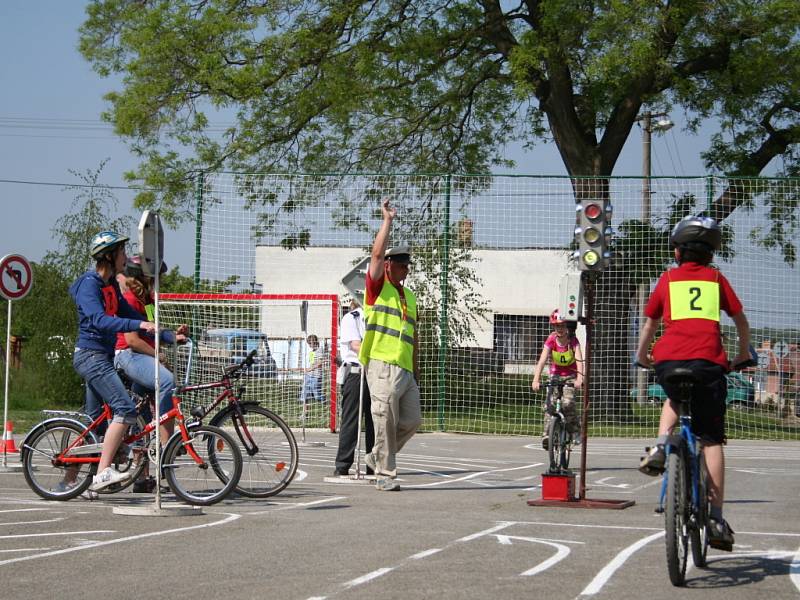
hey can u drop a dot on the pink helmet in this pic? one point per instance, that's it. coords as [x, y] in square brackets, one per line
[556, 318]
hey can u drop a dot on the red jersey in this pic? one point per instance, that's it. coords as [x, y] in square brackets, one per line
[136, 305]
[690, 299]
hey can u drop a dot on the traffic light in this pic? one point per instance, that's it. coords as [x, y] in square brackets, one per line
[593, 234]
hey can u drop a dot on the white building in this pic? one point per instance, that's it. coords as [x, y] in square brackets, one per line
[521, 288]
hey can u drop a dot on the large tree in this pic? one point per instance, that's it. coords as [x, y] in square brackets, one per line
[437, 85]
[445, 86]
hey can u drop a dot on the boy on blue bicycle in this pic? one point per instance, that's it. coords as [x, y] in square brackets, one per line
[690, 299]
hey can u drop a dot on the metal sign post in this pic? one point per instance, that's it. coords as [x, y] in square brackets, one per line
[304, 329]
[16, 278]
[151, 253]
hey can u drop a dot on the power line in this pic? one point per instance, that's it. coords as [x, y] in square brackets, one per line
[80, 185]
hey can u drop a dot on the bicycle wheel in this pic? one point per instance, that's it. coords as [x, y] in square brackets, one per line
[130, 457]
[214, 477]
[699, 533]
[555, 449]
[40, 452]
[675, 522]
[269, 449]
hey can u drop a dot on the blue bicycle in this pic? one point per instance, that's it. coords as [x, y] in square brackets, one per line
[684, 496]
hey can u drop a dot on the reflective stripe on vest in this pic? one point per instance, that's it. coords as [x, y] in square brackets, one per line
[389, 336]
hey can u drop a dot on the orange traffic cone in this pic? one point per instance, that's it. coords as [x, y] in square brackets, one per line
[7, 444]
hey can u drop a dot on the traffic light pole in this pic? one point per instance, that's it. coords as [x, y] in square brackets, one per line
[588, 289]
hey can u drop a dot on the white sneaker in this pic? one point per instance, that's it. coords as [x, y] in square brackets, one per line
[109, 476]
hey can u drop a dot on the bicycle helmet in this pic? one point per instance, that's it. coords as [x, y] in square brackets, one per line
[133, 268]
[696, 231]
[105, 241]
[556, 318]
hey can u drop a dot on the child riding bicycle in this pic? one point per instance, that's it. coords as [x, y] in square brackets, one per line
[566, 360]
[689, 298]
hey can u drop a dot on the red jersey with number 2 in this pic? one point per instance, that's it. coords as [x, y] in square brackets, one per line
[690, 299]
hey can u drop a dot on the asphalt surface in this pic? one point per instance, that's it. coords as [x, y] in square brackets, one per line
[460, 528]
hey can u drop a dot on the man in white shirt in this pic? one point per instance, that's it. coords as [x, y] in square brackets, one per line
[351, 332]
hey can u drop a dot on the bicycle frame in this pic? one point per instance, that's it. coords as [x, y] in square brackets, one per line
[685, 438]
[78, 447]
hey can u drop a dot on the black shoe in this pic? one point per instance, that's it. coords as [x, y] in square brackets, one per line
[545, 442]
[720, 535]
[652, 463]
[341, 473]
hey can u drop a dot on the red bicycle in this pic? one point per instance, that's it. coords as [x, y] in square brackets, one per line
[267, 444]
[201, 463]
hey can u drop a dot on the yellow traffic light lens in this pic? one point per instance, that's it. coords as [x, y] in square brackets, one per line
[593, 211]
[591, 258]
[591, 235]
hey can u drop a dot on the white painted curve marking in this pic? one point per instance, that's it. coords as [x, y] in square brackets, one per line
[606, 572]
[230, 518]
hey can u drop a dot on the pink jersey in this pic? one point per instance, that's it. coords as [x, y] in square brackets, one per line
[562, 358]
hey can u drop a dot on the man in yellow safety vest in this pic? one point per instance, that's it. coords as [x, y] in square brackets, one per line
[389, 353]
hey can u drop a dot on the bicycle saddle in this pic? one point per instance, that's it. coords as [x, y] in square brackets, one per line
[680, 377]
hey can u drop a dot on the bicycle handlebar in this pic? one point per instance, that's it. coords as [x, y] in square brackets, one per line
[246, 363]
[737, 367]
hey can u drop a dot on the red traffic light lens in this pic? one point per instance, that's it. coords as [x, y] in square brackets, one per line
[593, 211]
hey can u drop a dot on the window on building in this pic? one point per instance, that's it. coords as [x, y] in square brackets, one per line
[519, 338]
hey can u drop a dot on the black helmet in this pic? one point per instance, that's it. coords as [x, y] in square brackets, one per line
[696, 230]
[133, 268]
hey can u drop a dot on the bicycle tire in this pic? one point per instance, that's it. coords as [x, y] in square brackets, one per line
[212, 480]
[41, 447]
[699, 533]
[675, 522]
[135, 459]
[555, 431]
[269, 452]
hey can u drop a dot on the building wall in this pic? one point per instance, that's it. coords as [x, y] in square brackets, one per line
[515, 282]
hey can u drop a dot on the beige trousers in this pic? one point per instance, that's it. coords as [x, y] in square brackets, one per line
[396, 412]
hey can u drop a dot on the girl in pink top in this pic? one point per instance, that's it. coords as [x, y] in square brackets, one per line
[566, 360]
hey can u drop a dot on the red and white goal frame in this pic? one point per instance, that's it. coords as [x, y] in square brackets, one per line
[224, 327]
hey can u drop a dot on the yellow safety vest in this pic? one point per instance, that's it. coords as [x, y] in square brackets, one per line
[390, 326]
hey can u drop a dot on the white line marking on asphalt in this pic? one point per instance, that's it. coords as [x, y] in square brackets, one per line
[231, 517]
[291, 505]
[368, 577]
[425, 553]
[24, 550]
[33, 522]
[55, 533]
[472, 476]
[10, 510]
[608, 571]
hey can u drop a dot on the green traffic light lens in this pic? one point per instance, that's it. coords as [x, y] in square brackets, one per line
[591, 235]
[591, 258]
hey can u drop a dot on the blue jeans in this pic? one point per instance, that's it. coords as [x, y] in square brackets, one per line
[139, 368]
[103, 383]
[312, 386]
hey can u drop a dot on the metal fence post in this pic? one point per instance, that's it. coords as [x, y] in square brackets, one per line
[444, 286]
[198, 230]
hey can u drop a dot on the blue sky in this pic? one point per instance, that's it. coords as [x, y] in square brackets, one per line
[50, 124]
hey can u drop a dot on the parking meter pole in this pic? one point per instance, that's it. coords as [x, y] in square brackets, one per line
[5, 393]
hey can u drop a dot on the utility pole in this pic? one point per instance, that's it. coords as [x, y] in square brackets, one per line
[648, 127]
